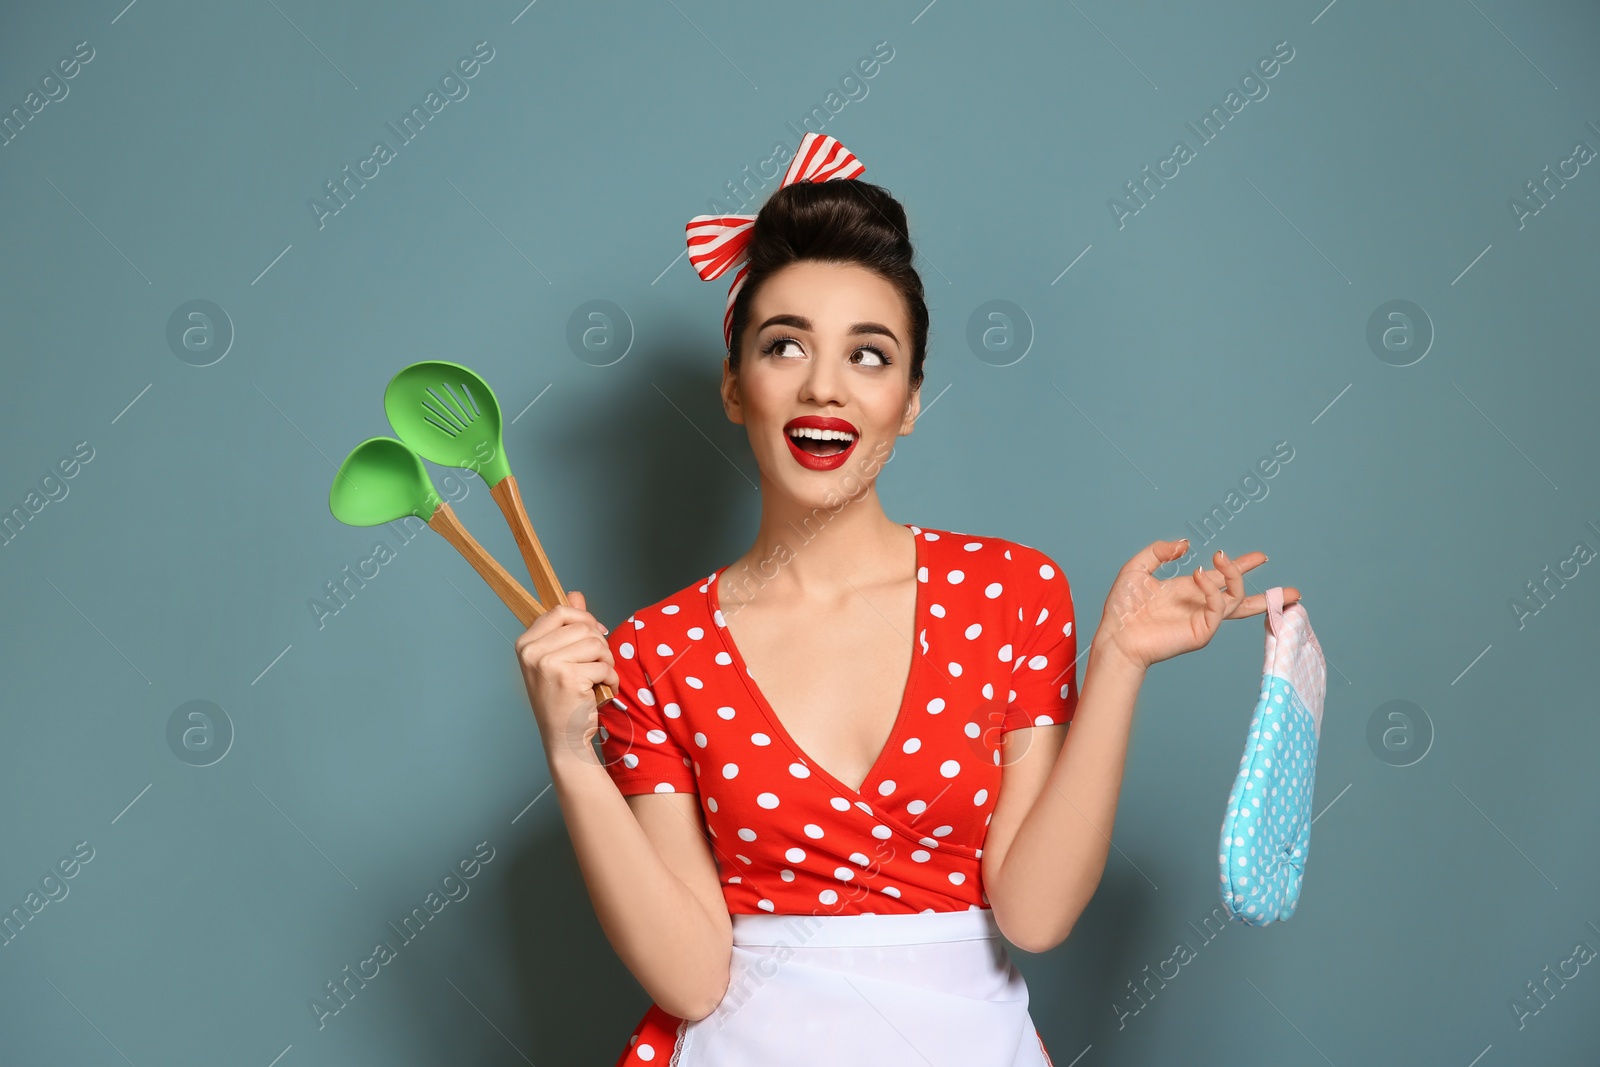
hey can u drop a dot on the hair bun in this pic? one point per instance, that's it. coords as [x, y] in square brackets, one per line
[846, 220]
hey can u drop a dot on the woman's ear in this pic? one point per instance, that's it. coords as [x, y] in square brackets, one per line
[730, 393]
[913, 409]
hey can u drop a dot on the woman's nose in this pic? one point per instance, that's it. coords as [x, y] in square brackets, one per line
[824, 380]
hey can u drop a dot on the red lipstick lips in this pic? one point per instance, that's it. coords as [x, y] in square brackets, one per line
[814, 462]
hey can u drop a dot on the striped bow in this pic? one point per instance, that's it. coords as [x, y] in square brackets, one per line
[717, 242]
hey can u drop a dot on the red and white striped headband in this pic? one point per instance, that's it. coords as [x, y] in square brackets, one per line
[717, 242]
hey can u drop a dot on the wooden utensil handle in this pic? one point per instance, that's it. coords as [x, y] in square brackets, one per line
[509, 498]
[518, 599]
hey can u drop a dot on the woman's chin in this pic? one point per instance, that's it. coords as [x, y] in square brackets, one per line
[830, 490]
[812, 481]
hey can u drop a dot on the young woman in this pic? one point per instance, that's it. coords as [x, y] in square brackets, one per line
[837, 770]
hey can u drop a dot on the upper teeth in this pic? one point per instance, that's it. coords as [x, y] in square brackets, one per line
[822, 435]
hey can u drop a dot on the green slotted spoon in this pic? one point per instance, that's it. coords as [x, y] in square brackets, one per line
[449, 414]
[382, 480]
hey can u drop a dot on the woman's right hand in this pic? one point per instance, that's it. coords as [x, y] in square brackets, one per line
[564, 655]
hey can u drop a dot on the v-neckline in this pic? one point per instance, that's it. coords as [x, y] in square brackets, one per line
[714, 602]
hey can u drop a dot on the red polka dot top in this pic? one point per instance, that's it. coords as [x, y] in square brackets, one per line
[995, 651]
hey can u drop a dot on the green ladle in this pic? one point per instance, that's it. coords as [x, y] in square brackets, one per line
[382, 480]
[449, 414]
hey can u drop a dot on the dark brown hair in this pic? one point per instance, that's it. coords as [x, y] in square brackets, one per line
[841, 221]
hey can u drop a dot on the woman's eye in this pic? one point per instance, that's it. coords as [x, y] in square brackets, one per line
[865, 356]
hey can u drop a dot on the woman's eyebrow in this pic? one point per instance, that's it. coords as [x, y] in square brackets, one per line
[800, 322]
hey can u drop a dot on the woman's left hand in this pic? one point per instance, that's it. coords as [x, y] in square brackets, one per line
[1148, 619]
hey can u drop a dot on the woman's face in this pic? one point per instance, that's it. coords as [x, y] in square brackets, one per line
[829, 344]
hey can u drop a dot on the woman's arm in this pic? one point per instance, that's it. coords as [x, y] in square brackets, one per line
[1040, 877]
[648, 868]
[653, 881]
[1041, 870]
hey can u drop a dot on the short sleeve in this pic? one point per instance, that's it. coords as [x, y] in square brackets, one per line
[639, 753]
[1044, 670]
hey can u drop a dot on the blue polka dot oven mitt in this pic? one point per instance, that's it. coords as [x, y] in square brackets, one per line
[1266, 829]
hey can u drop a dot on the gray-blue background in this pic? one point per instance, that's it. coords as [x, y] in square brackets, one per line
[1454, 857]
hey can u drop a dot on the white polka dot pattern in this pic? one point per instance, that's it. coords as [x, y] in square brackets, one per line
[787, 836]
[1266, 828]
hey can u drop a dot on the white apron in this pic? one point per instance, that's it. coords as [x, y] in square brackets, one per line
[899, 990]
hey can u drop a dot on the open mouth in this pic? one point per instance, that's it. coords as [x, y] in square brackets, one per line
[821, 442]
